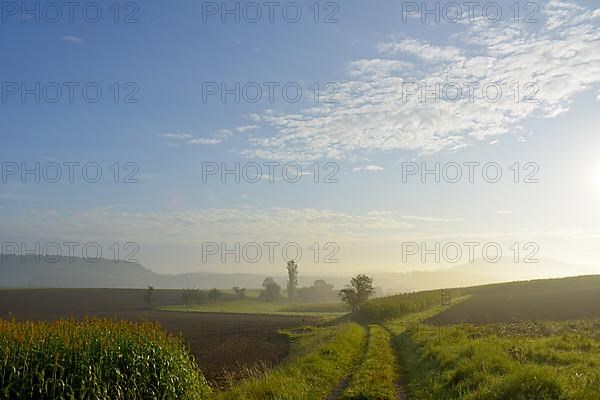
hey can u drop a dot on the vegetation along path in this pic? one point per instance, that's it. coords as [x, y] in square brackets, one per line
[341, 387]
[377, 376]
[310, 373]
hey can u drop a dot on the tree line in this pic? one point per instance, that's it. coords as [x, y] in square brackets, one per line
[354, 294]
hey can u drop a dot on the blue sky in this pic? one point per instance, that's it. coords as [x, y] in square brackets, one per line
[371, 54]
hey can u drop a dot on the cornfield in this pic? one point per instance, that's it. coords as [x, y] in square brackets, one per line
[95, 359]
[382, 308]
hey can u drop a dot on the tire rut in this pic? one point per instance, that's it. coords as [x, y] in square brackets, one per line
[401, 389]
[335, 393]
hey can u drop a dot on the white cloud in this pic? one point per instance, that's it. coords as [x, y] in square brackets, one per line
[191, 139]
[215, 225]
[176, 136]
[431, 219]
[421, 49]
[503, 212]
[254, 117]
[560, 56]
[72, 39]
[205, 141]
[246, 128]
[377, 68]
[369, 168]
[224, 132]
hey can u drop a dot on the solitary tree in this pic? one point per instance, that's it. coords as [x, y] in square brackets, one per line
[358, 291]
[214, 294]
[268, 280]
[271, 293]
[186, 296]
[192, 296]
[149, 295]
[241, 292]
[292, 284]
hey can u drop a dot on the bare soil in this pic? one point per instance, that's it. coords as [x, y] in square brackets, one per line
[218, 341]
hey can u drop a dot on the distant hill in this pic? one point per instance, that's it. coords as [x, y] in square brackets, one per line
[478, 273]
[27, 272]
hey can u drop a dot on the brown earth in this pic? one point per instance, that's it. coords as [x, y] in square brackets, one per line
[218, 341]
[539, 300]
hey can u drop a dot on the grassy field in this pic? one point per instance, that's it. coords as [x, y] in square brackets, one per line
[313, 372]
[531, 359]
[542, 361]
[262, 307]
[541, 355]
[336, 362]
[250, 293]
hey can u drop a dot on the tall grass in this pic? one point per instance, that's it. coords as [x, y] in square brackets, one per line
[95, 359]
[543, 361]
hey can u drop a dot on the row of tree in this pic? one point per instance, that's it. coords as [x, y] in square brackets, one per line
[354, 294]
[188, 296]
[319, 292]
[197, 296]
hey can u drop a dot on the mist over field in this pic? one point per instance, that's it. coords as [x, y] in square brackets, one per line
[300, 200]
[32, 272]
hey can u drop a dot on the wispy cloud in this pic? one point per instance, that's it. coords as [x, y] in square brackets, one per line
[224, 133]
[254, 117]
[72, 39]
[369, 168]
[431, 219]
[175, 139]
[421, 49]
[215, 224]
[176, 136]
[205, 141]
[246, 128]
[560, 56]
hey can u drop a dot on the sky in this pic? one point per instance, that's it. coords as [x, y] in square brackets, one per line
[351, 136]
